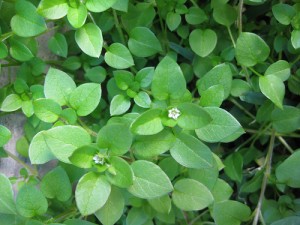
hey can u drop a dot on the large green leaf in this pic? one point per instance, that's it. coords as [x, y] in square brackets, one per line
[223, 128]
[89, 39]
[77, 16]
[58, 86]
[47, 110]
[203, 42]
[143, 42]
[7, 203]
[280, 69]
[191, 152]
[286, 120]
[150, 181]
[283, 13]
[11, 103]
[91, 193]
[99, 6]
[58, 142]
[168, 80]
[118, 56]
[5, 135]
[234, 166]
[27, 22]
[225, 14]
[191, 195]
[251, 49]
[53, 9]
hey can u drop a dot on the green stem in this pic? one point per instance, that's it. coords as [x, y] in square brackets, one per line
[288, 147]
[92, 18]
[164, 31]
[91, 132]
[231, 37]
[255, 72]
[295, 61]
[240, 21]
[3, 37]
[267, 166]
[118, 26]
[242, 108]
[261, 131]
[291, 135]
[194, 3]
[198, 217]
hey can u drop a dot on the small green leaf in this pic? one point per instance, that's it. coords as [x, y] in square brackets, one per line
[251, 49]
[116, 138]
[119, 105]
[58, 86]
[58, 45]
[296, 39]
[143, 42]
[213, 96]
[89, 39]
[234, 166]
[85, 98]
[136, 216]
[5, 135]
[31, 202]
[47, 110]
[118, 56]
[83, 156]
[221, 191]
[190, 152]
[27, 22]
[222, 127]
[123, 174]
[7, 203]
[91, 193]
[96, 74]
[143, 100]
[239, 87]
[53, 9]
[195, 16]
[168, 80]
[150, 181]
[173, 20]
[280, 69]
[286, 120]
[283, 13]
[203, 42]
[11, 103]
[225, 14]
[62, 190]
[113, 209]
[230, 212]
[19, 50]
[148, 123]
[3, 50]
[77, 16]
[145, 76]
[77, 222]
[162, 204]
[99, 6]
[190, 195]
[273, 88]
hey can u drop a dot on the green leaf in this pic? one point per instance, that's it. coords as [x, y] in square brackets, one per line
[116, 138]
[85, 98]
[290, 220]
[118, 56]
[212, 96]
[162, 204]
[123, 174]
[47, 110]
[168, 80]
[230, 213]
[192, 116]
[31, 202]
[119, 105]
[53, 9]
[286, 120]
[222, 127]
[153, 145]
[296, 39]
[219, 75]
[3, 50]
[27, 22]
[7, 203]
[251, 49]
[190, 195]
[173, 20]
[148, 123]
[58, 45]
[150, 181]
[234, 166]
[58, 86]
[203, 42]
[190, 152]
[170, 167]
[124, 79]
[195, 16]
[142, 99]
[5, 135]
[96, 74]
[11, 103]
[283, 13]
[89, 39]
[143, 42]
[273, 88]
[83, 156]
[221, 191]
[62, 190]
[280, 69]
[99, 6]
[58, 142]
[113, 209]
[19, 50]
[288, 171]
[239, 88]
[91, 193]
[78, 222]
[225, 14]
[77, 16]
[136, 216]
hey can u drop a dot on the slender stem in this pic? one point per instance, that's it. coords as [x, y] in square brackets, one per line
[92, 18]
[261, 218]
[295, 61]
[118, 26]
[242, 108]
[267, 166]
[291, 135]
[231, 37]
[240, 22]
[262, 130]
[194, 3]
[21, 162]
[164, 31]
[3, 37]
[91, 132]
[288, 147]
[255, 72]
[198, 217]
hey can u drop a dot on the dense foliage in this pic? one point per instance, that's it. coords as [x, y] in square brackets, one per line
[156, 112]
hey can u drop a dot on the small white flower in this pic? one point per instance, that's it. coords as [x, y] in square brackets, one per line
[98, 160]
[174, 113]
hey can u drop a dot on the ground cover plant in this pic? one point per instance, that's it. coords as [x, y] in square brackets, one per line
[156, 112]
